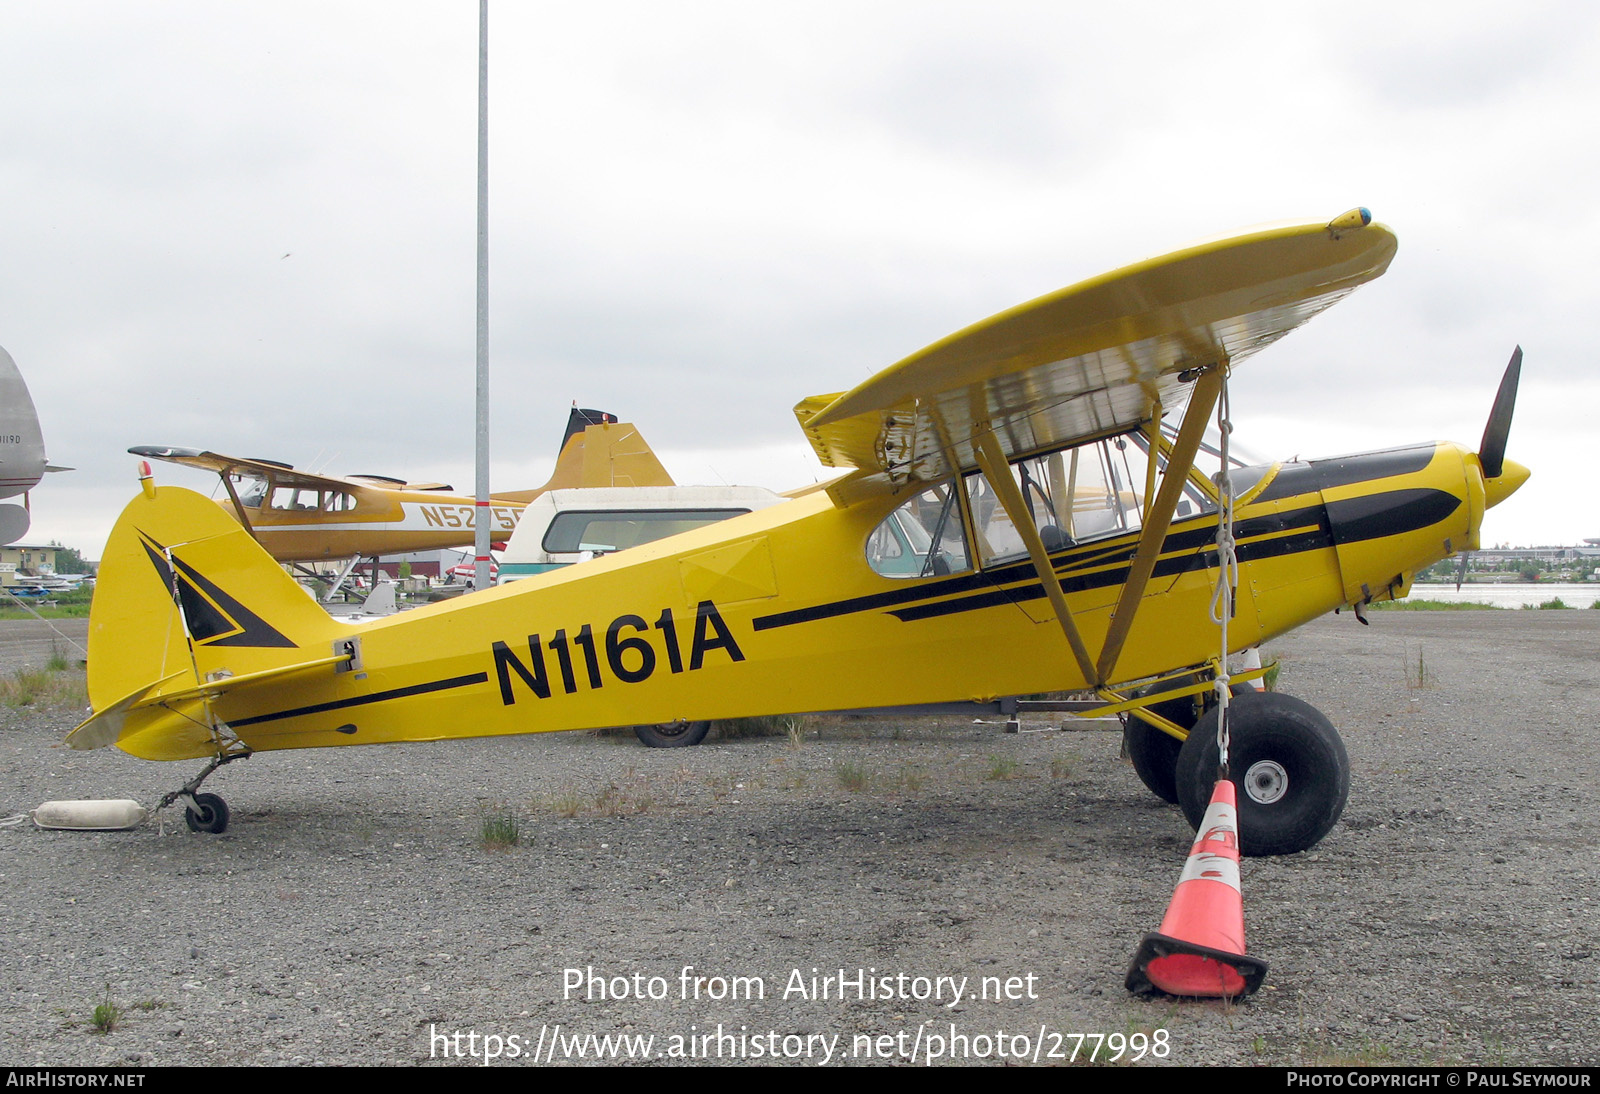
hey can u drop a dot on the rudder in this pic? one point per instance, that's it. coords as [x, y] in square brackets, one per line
[185, 596]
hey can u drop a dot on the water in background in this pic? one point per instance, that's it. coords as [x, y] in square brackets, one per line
[1572, 594]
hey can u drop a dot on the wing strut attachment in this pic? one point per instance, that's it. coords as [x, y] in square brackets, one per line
[1159, 519]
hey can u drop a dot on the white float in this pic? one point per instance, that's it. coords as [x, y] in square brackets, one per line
[108, 815]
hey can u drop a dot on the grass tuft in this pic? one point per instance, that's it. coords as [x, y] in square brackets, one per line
[795, 727]
[40, 688]
[622, 801]
[1001, 768]
[912, 779]
[25, 688]
[1417, 677]
[106, 1014]
[499, 830]
[566, 804]
[854, 777]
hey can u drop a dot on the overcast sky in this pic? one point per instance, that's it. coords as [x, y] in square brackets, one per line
[251, 227]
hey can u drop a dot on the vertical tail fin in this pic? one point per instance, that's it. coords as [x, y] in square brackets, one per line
[185, 597]
[611, 453]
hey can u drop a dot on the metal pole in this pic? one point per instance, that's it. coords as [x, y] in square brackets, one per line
[480, 572]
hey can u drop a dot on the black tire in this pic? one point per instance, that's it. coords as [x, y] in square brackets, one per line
[209, 813]
[1288, 763]
[673, 734]
[1154, 753]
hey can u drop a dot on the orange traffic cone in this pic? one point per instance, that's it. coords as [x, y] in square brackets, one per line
[1199, 950]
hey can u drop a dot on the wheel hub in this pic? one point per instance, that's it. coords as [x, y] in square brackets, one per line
[1266, 782]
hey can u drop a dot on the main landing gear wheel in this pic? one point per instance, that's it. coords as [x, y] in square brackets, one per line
[208, 813]
[1154, 753]
[673, 734]
[1288, 763]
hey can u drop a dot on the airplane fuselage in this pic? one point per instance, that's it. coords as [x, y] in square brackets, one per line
[379, 522]
[778, 612]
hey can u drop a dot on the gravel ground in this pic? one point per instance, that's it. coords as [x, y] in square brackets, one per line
[353, 915]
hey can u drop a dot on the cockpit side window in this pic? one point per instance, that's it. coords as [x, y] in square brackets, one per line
[296, 498]
[922, 538]
[1071, 496]
[1079, 495]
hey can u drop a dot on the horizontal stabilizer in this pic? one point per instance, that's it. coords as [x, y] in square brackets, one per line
[104, 727]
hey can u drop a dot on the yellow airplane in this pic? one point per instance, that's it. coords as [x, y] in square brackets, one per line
[302, 517]
[972, 456]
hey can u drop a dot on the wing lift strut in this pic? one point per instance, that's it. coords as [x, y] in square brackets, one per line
[1208, 385]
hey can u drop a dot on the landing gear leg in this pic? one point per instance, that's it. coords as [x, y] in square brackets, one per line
[205, 812]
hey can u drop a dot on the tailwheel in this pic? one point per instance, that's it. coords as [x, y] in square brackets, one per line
[206, 813]
[1289, 765]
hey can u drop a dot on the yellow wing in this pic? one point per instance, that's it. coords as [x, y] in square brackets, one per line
[1091, 359]
[279, 474]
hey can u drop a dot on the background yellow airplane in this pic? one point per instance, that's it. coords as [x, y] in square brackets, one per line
[299, 516]
[973, 455]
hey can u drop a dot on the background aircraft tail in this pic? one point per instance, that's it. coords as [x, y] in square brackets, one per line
[186, 598]
[598, 450]
[580, 419]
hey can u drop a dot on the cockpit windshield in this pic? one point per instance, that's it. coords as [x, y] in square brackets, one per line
[251, 491]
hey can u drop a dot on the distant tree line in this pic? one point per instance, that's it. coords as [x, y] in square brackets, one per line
[69, 561]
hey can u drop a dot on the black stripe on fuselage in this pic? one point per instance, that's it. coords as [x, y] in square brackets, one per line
[1374, 516]
[363, 700]
[1098, 553]
[986, 584]
[1314, 537]
[1294, 479]
[1380, 515]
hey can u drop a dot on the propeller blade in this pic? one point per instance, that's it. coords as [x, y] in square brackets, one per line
[1492, 452]
[1461, 574]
